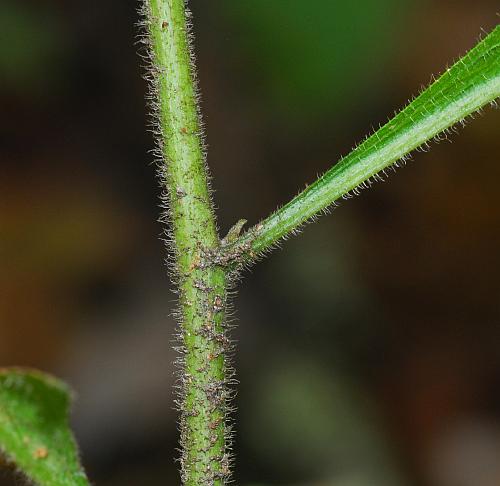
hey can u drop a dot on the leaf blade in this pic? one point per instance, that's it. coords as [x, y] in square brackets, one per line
[34, 431]
[471, 83]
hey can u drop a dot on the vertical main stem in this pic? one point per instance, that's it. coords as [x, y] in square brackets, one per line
[202, 286]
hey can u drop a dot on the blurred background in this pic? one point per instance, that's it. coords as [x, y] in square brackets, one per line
[368, 346]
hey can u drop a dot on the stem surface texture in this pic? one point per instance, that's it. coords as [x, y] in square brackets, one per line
[202, 286]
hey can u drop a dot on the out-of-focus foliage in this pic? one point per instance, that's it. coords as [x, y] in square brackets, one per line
[321, 422]
[30, 47]
[312, 56]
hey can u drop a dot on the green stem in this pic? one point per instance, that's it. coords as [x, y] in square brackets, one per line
[471, 83]
[202, 287]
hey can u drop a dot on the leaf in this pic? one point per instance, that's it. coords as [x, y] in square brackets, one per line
[34, 430]
[471, 83]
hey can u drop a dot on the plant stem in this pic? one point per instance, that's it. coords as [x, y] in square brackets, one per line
[202, 287]
[470, 84]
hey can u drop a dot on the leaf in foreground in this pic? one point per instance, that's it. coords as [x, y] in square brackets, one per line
[34, 430]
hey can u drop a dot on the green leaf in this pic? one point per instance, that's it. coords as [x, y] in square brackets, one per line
[34, 430]
[471, 83]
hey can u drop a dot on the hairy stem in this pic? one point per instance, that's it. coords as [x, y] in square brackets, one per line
[202, 287]
[468, 85]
